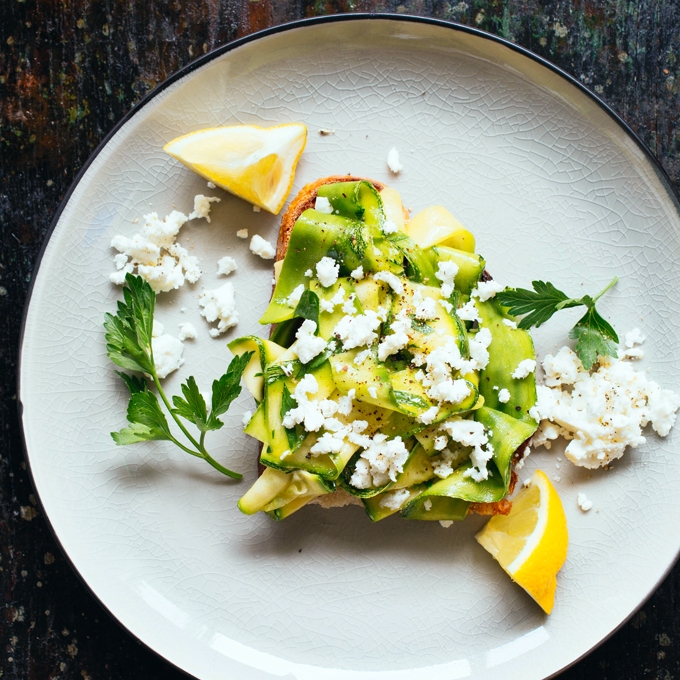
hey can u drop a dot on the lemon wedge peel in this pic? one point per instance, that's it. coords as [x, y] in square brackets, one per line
[252, 162]
[531, 555]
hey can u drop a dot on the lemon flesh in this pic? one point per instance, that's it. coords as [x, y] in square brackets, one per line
[255, 163]
[436, 226]
[531, 542]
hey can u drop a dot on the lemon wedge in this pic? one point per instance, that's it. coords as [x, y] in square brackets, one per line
[531, 542]
[255, 163]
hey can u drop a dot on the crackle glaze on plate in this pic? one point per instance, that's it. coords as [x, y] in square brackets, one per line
[552, 186]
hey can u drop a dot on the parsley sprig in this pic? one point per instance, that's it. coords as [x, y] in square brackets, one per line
[129, 345]
[593, 334]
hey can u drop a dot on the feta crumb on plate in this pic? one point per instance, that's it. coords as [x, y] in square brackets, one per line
[584, 503]
[187, 331]
[167, 354]
[242, 233]
[219, 305]
[393, 162]
[262, 247]
[161, 262]
[599, 413]
[226, 265]
[256, 208]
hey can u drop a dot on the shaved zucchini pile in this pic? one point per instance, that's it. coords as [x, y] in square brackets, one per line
[406, 399]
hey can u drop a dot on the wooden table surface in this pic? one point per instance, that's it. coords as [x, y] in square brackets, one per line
[69, 70]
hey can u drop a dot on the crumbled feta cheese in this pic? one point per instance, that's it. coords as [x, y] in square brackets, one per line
[242, 233]
[355, 331]
[345, 403]
[504, 396]
[394, 499]
[361, 357]
[468, 312]
[350, 307]
[256, 209]
[446, 305]
[323, 205]
[246, 417]
[446, 523]
[510, 324]
[262, 247]
[202, 207]
[380, 462]
[479, 348]
[308, 345]
[399, 337]
[295, 296]
[187, 331]
[485, 290]
[372, 390]
[167, 354]
[429, 416]
[438, 379]
[427, 505]
[425, 308]
[583, 502]
[471, 433]
[446, 273]
[157, 329]
[393, 162]
[440, 442]
[389, 227]
[309, 272]
[629, 349]
[330, 305]
[160, 261]
[211, 185]
[305, 412]
[602, 412]
[524, 368]
[358, 273]
[226, 266]
[392, 280]
[327, 270]
[219, 305]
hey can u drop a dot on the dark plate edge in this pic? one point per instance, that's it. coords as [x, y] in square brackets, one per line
[207, 58]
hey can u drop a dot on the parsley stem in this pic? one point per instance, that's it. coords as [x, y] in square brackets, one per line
[221, 468]
[174, 416]
[605, 289]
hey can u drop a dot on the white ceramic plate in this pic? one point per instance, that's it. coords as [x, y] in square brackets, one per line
[553, 186]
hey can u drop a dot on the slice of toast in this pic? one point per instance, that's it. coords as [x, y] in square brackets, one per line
[305, 200]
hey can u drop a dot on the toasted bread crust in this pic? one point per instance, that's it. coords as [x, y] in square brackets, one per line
[304, 201]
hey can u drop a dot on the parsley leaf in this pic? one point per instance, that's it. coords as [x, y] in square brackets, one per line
[129, 345]
[147, 421]
[594, 337]
[538, 304]
[226, 389]
[593, 334]
[192, 407]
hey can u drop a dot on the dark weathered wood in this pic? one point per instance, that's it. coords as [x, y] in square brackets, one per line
[69, 69]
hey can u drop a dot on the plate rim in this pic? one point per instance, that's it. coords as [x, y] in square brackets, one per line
[199, 63]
